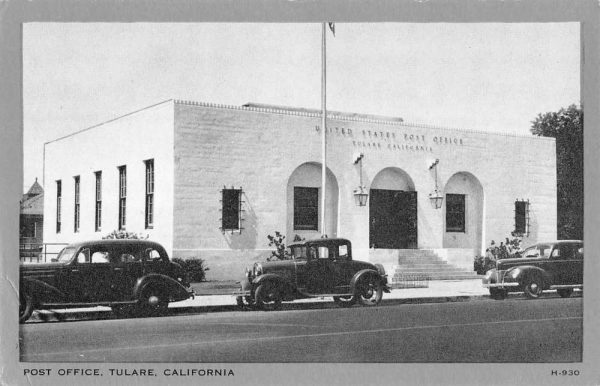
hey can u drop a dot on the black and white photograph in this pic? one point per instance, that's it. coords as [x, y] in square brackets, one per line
[377, 200]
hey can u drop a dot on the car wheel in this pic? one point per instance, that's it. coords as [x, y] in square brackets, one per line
[564, 292]
[369, 290]
[267, 297]
[533, 288]
[25, 307]
[154, 301]
[344, 301]
[498, 294]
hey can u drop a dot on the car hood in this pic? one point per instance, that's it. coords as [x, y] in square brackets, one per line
[509, 263]
[40, 267]
[277, 264]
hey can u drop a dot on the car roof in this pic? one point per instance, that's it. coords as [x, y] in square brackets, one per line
[115, 243]
[335, 240]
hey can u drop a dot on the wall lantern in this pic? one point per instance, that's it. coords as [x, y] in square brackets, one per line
[360, 194]
[436, 198]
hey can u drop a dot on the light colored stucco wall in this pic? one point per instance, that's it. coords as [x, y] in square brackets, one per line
[128, 140]
[259, 149]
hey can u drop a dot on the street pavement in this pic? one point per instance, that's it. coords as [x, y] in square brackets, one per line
[220, 294]
[515, 330]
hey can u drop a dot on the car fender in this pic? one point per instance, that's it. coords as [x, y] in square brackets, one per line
[279, 281]
[528, 270]
[175, 289]
[41, 291]
[365, 272]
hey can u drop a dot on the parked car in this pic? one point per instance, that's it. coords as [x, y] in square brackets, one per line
[552, 265]
[122, 274]
[316, 268]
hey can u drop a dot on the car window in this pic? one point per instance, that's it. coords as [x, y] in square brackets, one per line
[540, 250]
[298, 252]
[127, 258]
[579, 253]
[66, 255]
[323, 253]
[343, 252]
[83, 256]
[100, 257]
[568, 252]
[152, 254]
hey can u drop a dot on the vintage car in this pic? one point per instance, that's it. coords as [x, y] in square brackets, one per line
[544, 266]
[316, 268]
[123, 274]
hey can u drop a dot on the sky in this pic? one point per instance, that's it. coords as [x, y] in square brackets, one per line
[494, 77]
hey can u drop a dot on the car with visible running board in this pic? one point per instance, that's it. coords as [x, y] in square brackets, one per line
[315, 268]
[556, 265]
[124, 274]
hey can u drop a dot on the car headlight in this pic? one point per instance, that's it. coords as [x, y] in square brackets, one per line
[489, 274]
[258, 270]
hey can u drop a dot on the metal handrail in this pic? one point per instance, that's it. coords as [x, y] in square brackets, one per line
[30, 252]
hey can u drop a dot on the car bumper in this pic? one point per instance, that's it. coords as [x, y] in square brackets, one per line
[497, 279]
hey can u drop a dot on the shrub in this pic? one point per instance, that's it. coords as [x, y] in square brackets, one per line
[194, 267]
[509, 248]
[124, 235]
[280, 252]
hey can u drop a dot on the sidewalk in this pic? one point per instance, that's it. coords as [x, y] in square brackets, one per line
[219, 293]
[218, 296]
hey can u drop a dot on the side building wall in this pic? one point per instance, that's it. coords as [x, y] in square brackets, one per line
[129, 140]
[265, 151]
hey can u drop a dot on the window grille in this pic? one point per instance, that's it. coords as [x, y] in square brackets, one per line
[455, 213]
[231, 210]
[521, 218]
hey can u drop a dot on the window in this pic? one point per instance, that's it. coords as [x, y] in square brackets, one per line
[232, 206]
[521, 217]
[122, 196]
[76, 213]
[306, 208]
[149, 193]
[98, 221]
[58, 204]
[455, 213]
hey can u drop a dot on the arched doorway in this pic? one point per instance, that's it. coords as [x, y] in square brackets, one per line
[463, 212]
[392, 210]
[304, 202]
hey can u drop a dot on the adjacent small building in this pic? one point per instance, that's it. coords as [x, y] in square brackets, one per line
[31, 225]
[212, 181]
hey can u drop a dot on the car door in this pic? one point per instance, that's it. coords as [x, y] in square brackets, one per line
[318, 273]
[127, 267]
[86, 277]
[567, 264]
[342, 267]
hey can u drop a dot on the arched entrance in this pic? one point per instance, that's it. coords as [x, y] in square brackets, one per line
[392, 210]
[463, 212]
[304, 202]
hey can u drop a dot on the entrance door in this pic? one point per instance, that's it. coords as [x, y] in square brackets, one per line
[393, 219]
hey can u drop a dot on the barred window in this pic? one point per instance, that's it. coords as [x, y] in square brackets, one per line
[76, 213]
[58, 205]
[231, 208]
[521, 217]
[306, 208]
[455, 213]
[98, 211]
[149, 193]
[122, 196]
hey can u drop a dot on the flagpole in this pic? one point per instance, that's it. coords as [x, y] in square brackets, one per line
[323, 130]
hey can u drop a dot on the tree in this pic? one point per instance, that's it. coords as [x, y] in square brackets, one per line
[566, 126]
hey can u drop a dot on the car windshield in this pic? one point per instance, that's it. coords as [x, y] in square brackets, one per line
[298, 252]
[540, 250]
[66, 255]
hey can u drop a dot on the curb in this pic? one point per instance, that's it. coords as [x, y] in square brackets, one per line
[64, 315]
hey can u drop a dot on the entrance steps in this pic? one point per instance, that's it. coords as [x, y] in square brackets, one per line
[407, 268]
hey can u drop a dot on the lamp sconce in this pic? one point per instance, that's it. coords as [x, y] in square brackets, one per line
[360, 194]
[436, 197]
